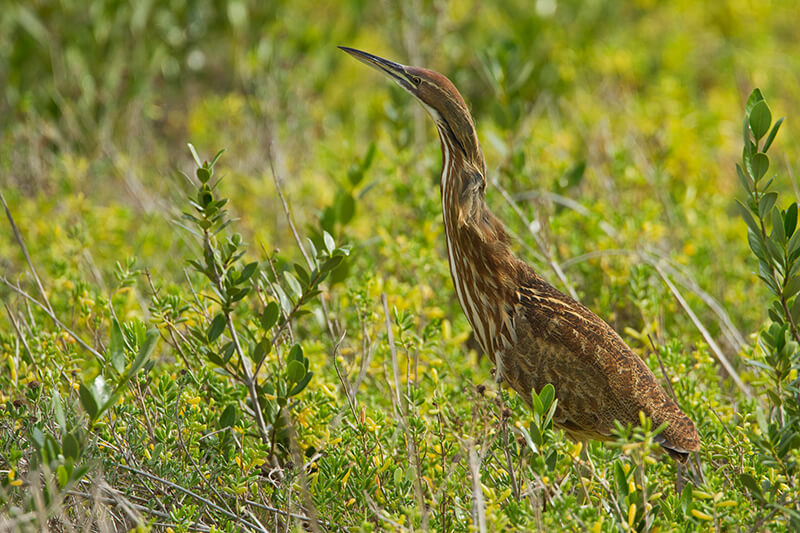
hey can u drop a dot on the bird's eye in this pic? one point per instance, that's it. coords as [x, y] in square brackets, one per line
[416, 79]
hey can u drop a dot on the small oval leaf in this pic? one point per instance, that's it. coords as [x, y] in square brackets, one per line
[295, 371]
[228, 417]
[760, 119]
[759, 164]
[216, 328]
[270, 316]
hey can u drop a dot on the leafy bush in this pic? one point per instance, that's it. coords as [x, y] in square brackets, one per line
[777, 437]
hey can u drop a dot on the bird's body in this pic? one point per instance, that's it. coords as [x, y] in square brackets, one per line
[532, 332]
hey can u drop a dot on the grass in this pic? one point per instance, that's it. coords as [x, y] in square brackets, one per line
[195, 380]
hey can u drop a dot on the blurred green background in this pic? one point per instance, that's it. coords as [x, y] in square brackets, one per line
[629, 108]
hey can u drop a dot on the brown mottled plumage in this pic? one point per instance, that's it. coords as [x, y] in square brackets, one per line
[532, 332]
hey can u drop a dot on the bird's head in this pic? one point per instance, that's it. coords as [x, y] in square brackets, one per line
[437, 95]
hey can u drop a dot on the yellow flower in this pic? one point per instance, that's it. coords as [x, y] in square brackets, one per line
[12, 479]
[193, 401]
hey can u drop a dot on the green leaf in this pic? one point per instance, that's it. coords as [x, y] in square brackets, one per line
[216, 158]
[286, 303]
[302, 274]
[793, 244]
[145, 351]
[330, 244]
[747, 154]
[313, 250]
[777, 226]
[754, 98]
[270, 316]
[203, 174]
[760, 119]
[194, 155]
[247, 272]
[790, 220]
[116, 347]
[772, 134]
[37, 437]
[217, 327]
[62, 476]
[757, 245]
[750, 483]
[238, 295]
[367, 162]
[345, 207]
[548, 419]
[293, 284]
[228, 417]
[765, 204]
[745, 180]
[775, 250]
[87, 401]
[529, 440]
[332, 263]
[770, 283]
[536, 435]
[227, 352]
[551, 460]
[101, 396]
[297, 389]
[70, 446]
[546, 396]
[747, 217]
[792, 287]
[538, 408]
[296, 353]
[759, 165]
[261, 349]
[621, 480]
[215, 358]
[58, 411]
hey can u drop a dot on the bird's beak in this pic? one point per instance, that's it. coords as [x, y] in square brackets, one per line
[396, 71]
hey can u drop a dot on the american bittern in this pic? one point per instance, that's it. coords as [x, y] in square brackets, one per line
[532, 332]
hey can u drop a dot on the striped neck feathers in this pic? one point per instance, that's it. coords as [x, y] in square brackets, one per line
[467, 217]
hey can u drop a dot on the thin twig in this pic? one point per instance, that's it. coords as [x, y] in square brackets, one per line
[393, 350]
[478, 504]
[649, 255]
[550, 259]
[250, 379]
[304, 491]
[311, 265]
[663, 370]
[193, 494]
[22, 338]
[704, 332]
[188, 455]
[366, 350]
[52, 316]
[401, 408]
[18, 236]
[285, 205]
[170, 326]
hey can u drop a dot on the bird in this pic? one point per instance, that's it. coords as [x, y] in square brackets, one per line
[533, 333]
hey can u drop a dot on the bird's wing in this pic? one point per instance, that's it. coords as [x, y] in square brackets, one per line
[597, 377]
